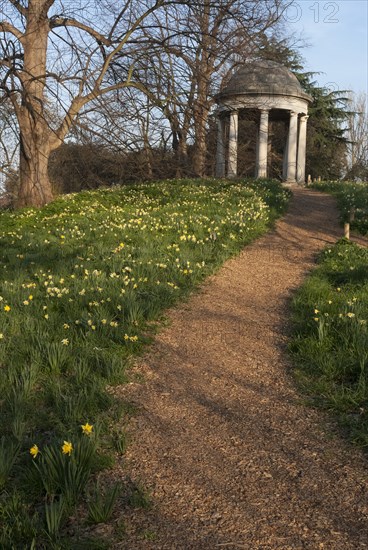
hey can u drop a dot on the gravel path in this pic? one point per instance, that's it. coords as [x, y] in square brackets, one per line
[231, 455]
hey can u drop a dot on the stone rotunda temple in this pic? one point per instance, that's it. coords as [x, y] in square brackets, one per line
[271, 92]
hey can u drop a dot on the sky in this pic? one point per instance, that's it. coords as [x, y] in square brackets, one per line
[337, 32]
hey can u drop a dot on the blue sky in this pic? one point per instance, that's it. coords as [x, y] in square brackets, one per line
[337, 32]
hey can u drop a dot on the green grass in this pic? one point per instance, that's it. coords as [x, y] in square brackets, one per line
[83, 282]
[350, 196]
[330, 343]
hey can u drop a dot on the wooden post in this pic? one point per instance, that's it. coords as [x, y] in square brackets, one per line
[309, 179]
[347, 230]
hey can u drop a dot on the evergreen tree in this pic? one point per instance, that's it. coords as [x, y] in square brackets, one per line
[326, 138]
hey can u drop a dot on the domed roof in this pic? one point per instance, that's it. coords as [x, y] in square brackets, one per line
[263, 77]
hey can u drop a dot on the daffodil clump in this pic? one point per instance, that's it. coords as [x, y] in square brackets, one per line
[352, 199]
[82, 282]
[330, 345]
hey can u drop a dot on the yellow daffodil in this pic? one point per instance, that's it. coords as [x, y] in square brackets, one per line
[34, 450]
[7, 308]
[67, 448]
[65, 342]
[87, 428]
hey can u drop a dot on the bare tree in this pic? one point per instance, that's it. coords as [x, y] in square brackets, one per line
[58, 52]
[357, 135]
[193, 47]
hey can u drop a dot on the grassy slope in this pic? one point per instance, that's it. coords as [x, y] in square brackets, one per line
[81, 282]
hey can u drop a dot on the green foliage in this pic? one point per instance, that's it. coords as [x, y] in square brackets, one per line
[101, 502]
[83, 282]
[66, 473]
[9, 451]
[18, 524]
[54, 516]
[138, 497]
[330, 344]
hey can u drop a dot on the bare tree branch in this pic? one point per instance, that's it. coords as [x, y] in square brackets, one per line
[5, 26]
[59, 21]
[21, 9]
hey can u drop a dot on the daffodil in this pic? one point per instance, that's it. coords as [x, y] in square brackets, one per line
[67, 448]
[65, 342]
[87, 428]
[7, 308]
[34, 450]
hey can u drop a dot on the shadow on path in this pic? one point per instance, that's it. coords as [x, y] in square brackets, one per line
[231, 456]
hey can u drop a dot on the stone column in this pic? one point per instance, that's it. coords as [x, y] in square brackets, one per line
[302, 149]
[233, 145]
[262, 152]
[292, 148]
[285, 159]
[220, 153]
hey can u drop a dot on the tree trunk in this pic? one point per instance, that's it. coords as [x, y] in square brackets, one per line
[34, 185]
[148, 158]
[200, 145]
[182, 157]
[201, 105]
[36, 138]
